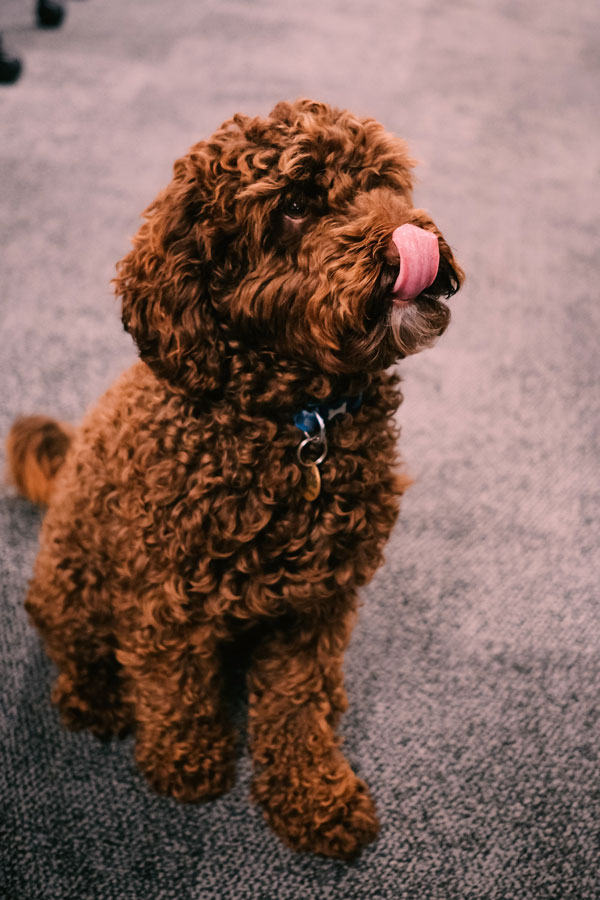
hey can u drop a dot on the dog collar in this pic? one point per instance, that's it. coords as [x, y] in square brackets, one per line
[307, 420]
[312, 450]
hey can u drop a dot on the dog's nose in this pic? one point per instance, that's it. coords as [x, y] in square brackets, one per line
[391, 254]
[418, 257]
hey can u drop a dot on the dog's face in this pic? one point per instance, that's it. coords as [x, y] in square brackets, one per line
[277, 233]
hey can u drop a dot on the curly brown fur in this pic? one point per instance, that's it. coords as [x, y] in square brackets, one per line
[259, 282]
[35, 450]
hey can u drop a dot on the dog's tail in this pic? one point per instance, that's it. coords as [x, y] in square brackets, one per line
[36, 449]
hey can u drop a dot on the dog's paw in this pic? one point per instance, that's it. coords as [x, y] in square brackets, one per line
[83, 707]
[332, 817]
[188, 773]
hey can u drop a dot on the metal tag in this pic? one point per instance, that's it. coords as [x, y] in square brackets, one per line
[312, 482]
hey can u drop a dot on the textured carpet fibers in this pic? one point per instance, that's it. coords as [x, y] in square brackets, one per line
[474, 672]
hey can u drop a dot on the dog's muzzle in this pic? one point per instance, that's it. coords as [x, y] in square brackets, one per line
[419, 258]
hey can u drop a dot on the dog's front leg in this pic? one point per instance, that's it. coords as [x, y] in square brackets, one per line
[184, 744]
[309, 794]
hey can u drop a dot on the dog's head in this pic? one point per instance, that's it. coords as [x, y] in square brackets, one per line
[277, 233]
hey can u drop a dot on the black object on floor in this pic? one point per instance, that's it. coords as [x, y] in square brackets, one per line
[49, 14]
[10, 67]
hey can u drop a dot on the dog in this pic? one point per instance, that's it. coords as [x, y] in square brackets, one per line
[240, 479]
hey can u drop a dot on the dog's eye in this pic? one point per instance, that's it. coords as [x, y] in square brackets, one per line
[295, 208]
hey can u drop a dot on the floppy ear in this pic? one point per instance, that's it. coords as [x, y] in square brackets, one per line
[165, 279]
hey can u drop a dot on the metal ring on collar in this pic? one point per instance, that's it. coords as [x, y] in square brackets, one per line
[307, 442]
[319, 439]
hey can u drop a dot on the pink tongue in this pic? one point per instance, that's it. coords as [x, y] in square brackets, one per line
[419, 260]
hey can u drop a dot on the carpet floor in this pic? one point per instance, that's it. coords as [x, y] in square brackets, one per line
[474, 671]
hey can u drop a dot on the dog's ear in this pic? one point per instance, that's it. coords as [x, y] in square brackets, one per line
[165, 280]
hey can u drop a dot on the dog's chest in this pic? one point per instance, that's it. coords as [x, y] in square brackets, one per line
[256, 535]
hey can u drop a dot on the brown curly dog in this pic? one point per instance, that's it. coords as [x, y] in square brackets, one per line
[241, 478]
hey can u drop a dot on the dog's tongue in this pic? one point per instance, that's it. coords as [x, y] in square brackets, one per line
[419, 260]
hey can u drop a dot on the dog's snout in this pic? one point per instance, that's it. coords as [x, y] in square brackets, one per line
[419, 257]
[391, 254]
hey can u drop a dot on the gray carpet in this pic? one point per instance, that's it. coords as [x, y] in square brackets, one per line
[474, 672]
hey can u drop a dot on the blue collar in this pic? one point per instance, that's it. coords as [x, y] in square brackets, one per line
[307, 419]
